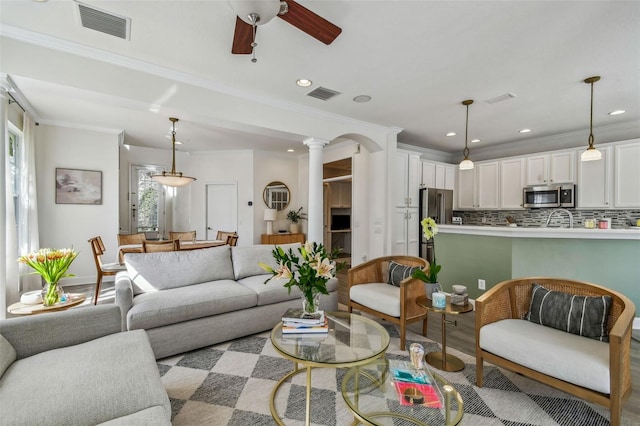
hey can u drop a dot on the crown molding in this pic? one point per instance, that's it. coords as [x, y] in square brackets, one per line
[77, 49]
[82, 127]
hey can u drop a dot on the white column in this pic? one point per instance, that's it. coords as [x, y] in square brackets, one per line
[314, 216]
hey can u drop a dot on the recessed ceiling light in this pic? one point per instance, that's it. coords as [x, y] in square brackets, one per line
[303, 82]
[362, 99]
[451, 134]
[290, 150]
[617, 112]
[475, 140]
[178, 143]
[525, 130]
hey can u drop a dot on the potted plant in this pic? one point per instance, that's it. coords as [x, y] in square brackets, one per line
[52, 265]
[295, 216]
[429, 229]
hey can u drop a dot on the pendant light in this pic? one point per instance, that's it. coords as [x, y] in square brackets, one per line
[173, 178]
[591, 154]
[466, 164]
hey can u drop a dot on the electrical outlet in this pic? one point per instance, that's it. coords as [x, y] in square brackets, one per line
[481, 284]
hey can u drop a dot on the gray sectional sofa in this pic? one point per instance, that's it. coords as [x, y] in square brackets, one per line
[77, 368]
[191, 299]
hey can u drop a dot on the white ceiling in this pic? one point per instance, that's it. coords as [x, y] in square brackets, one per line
[418, 60]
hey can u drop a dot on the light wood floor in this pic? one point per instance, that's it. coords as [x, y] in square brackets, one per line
[460, 336]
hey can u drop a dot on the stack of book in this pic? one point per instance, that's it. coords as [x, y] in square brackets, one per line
[295, 321]
[415, 387]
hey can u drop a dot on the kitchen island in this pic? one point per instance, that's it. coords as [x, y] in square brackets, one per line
[496, 253]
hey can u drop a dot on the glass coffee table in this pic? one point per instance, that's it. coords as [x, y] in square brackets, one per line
[370, 395]
[352, 340]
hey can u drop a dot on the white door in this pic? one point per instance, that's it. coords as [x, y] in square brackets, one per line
[222, 209]
[146, 201]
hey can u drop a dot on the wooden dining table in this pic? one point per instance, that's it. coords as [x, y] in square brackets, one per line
[184, 245]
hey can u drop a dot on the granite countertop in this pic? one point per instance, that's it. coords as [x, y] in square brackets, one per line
[632, 233]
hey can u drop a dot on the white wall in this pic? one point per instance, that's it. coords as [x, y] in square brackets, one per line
[66, 225]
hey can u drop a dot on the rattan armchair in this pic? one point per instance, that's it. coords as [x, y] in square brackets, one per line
[126, 239]
[224, 235]
[511, 299]
[182, 235]
[374, 272]
[160, 246]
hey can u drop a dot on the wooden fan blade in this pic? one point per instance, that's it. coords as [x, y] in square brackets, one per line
[242, 38]
[312, 24]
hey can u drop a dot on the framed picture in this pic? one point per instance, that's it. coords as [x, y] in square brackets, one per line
[78, 186]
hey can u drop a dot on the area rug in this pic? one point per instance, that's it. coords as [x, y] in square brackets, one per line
[231, 383]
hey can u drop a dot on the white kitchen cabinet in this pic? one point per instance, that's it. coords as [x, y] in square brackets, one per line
[407, 179]
[340, 194]
[512, 181]
[558, 167]
[627, 175]
[488, 185]
[595, 181]
[438, 175]
[466, 190]
[406, 233]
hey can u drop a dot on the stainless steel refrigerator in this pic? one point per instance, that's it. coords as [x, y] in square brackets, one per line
[437, 204]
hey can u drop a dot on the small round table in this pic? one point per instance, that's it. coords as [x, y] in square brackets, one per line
[23, 309]
[443, 360]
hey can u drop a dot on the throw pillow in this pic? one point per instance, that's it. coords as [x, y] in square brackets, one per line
[582, 315]
[398, 272]
[7, 354]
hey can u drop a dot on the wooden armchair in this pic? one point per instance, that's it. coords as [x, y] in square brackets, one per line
[102, 269]
[160, 246]
[224, 235]
[183, 236]
[232, 240]
[511, 299]
[368, 288]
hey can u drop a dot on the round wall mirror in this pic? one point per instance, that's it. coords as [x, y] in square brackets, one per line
[276, 195]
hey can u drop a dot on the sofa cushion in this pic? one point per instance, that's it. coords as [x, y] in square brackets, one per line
[274, 291]
[381, 297]
[166, 270]
[574, 359]
[88, 383]
[399, 272]
[582, 315]
[7, 354]
[156, 309]
[246, 258]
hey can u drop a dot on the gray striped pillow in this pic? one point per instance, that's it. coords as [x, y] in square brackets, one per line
[582, 315]
[398, 272]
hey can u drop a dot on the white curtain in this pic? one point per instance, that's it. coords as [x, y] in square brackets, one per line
[28, 236]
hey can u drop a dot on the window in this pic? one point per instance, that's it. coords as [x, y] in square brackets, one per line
[15, 139]
[147, 200]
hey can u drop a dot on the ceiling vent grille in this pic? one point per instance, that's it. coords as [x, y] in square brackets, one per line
[323, 93]
[105, 22]
[500, 98]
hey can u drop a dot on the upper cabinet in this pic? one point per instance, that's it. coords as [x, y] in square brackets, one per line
[594, 181]
[340, 194]
[438, 175]
[627, 175]
[479, 188]
[512, 181]
[557, 167]
[406, 179]
[466, 192]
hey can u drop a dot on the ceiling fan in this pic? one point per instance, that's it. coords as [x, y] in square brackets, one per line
[252, 13]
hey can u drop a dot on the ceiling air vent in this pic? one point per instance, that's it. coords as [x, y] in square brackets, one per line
[323, 93]
[500, 98]
[105, 22]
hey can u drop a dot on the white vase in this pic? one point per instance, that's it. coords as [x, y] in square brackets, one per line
[294, 228]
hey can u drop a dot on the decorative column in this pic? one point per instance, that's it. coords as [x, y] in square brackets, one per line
[314, 216]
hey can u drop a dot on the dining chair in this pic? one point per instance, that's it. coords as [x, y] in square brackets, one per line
[223, 235]
[126, 239]
[182, 235]
[232, 240]
[102, 269]
[160, 246]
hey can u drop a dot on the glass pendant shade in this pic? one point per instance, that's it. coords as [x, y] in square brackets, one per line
[265, 9]
[173, 178]
[591, 154]
[466, 164]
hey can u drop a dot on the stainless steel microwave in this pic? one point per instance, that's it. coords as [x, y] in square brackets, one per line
[549, 196]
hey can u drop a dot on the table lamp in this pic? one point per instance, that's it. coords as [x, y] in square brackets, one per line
[270, 216]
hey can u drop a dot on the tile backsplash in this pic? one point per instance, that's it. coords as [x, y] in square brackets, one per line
[620, 219]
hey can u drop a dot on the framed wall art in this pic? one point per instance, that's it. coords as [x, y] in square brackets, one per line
[78, 186]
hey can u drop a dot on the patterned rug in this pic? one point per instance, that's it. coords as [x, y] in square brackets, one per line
[231, 383]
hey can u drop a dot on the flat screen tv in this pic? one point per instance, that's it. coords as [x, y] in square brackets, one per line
[340, 222]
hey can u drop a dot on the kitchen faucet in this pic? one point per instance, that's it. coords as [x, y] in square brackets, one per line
[560, 210]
